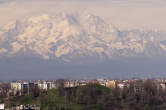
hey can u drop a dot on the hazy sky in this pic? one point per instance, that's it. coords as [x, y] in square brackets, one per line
[130, 14]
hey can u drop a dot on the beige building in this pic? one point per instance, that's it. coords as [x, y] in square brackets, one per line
[111, 84]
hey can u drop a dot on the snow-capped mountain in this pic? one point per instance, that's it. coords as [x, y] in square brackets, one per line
[74, 36]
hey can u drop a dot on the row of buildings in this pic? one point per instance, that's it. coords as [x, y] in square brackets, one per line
[19, 87]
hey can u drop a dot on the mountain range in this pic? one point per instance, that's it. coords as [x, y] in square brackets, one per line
[77, 37]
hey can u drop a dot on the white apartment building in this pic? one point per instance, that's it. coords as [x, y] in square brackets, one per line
[16, 87]
[43, 85]
[2, 106]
